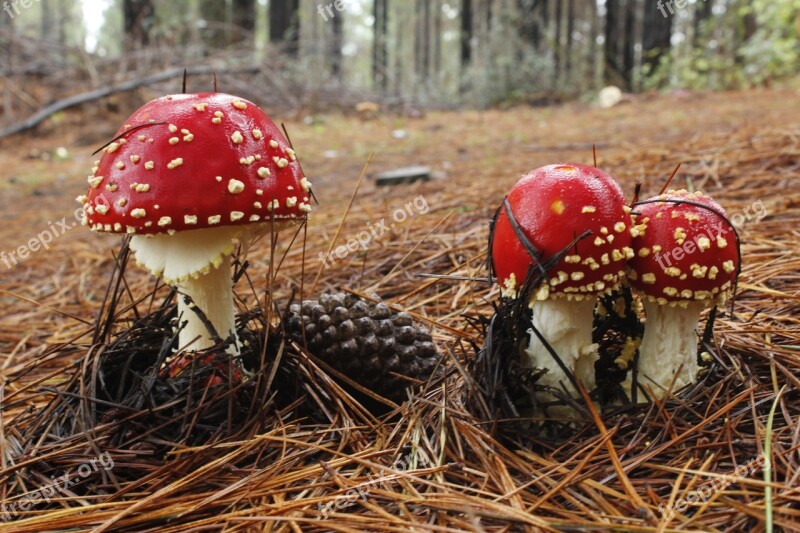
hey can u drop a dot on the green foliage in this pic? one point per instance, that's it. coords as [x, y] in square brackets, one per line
[773, 51]
[724, 56]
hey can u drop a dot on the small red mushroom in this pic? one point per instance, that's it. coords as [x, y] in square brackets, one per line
[687, 259]
[188, 175]
[553, 206]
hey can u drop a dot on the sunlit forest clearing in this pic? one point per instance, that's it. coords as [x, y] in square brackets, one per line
[421, 409]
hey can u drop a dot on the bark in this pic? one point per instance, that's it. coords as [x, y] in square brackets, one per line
[48, 21]
[422, 40]
[139, 18]
[244, 22]
[380, 50]
[558, 48]
[591, 53]
[215, 15]
[629, 44]
[570, 31]
[619, 43]
[702, 15]
[284, 25]
[437, 36]
[656, 36]
[531, 28]
[335, 49]
[466, 34]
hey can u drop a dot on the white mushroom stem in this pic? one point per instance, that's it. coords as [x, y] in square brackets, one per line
[670, 340]
[567, 327]
[211, 293]
[197, 263]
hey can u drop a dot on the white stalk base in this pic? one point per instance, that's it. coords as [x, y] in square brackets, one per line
[670, 340]
[197, 262]
[212, 293]
[567, 327]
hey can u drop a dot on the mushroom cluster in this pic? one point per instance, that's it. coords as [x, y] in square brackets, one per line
[565, 236]
[579, 213]
[188, 176]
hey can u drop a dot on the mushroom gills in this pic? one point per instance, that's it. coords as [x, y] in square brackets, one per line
[186, 254]
[670, 339]
[567, 327]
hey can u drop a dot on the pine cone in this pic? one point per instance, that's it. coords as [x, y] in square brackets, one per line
[368, 342]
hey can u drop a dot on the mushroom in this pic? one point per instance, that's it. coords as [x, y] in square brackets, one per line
[687, 259]
[188, 176]
[553, 206]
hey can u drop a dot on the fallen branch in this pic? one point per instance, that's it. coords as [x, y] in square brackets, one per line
[97, 94]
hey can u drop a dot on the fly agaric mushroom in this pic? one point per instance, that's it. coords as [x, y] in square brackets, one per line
[552, 206]
[687, 259]
[188, 175]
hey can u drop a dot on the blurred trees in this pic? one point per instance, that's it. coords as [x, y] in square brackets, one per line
[656, 35]
[284, 25]
[441, 52]
[139, 17]
[380, 45]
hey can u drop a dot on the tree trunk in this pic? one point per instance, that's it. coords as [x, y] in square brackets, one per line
[620, 42]
[244, 23]
[422, 41]
[139, 18]
[611, 52]
[558, 48]
[284, 25]
[215, 15]
[380, 49]
[570, 31]
[702, 15]
[592, 49]
[335, 49]
[656, 36]
[48, 22]
[437, 37]
[629, 44]
[532, 21]
[466, 35]
[8, 43]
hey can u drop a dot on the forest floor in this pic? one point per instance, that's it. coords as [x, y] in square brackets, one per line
[743, 148]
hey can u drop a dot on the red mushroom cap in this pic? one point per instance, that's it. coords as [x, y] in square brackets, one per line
[193, 161]
[684, 252]
[553, 205]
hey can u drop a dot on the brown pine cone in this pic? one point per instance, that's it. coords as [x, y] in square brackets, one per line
[366, 341]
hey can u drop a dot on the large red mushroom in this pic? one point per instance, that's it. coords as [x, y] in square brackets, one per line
[553, 206]
[687, 259]
[188, 176]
